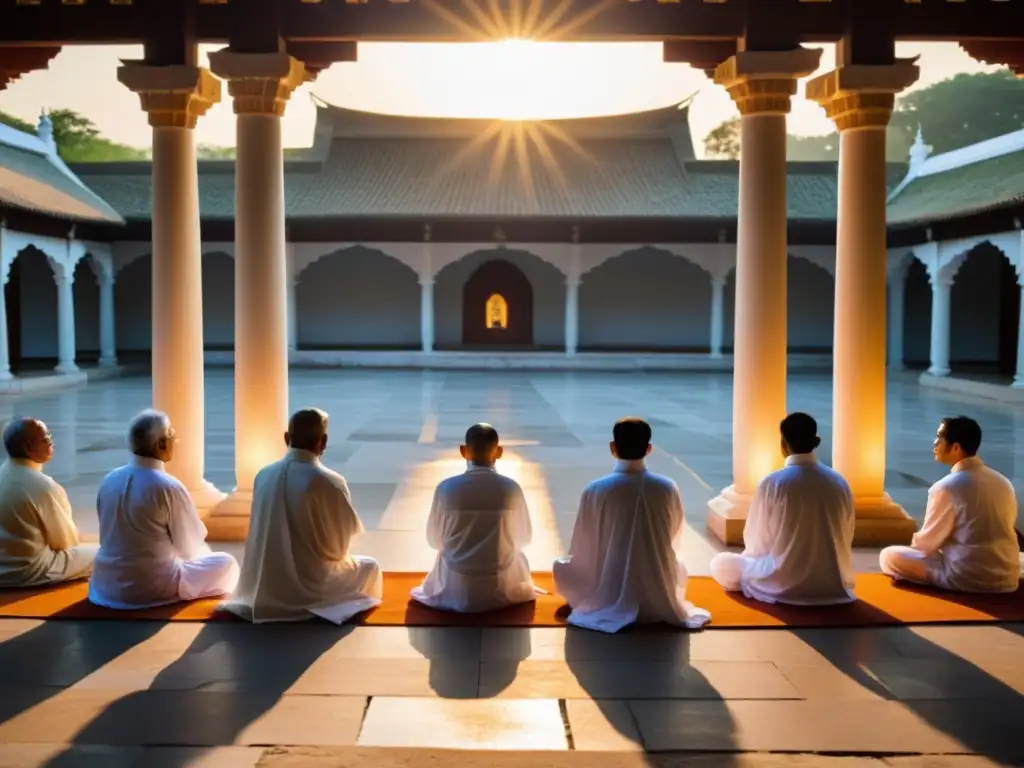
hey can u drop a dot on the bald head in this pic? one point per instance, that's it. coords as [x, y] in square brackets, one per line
[307, 430]
[481, 445]
[28, 439]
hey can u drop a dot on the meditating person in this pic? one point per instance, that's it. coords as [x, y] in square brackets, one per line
[799, 532]
[967, 542]
[624, 564]
[39, 541]
[297, 561]
[153, 547]
[479, 525]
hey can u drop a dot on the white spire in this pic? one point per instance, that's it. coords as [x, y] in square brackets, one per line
[44, 130]
[919, 151]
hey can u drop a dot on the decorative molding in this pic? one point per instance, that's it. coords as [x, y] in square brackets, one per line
[172, 97]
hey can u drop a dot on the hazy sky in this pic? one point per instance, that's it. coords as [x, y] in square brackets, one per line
[512, 80]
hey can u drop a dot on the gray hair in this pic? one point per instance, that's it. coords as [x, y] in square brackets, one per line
[306, 428]
[16, 435]
[146, 430]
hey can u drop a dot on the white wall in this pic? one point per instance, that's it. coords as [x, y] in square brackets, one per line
[358, 298]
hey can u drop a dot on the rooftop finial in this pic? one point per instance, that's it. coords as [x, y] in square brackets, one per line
[44, 130]
[919, 151]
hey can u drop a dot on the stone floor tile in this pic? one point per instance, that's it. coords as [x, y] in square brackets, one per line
[989, 727]
[840, 646]
[602, 726]
[187, 718]
[942, 761]
[973, 643]
[463, 643]
[631, 679]
[200, 757]
[13, 755]
[824, 681]
[1001, 678]
[882, 727]
[450, 724]
[444, 677]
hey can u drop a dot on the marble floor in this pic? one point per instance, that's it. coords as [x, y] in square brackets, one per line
[222, 695]
[395, 434]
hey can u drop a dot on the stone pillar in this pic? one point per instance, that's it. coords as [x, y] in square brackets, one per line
[261, 84]
[761, 83]
[427, 313]
[860, 98]
[174, 98]
[897, 287]
[572, 295]
[1018, 380]
[65, 280]
[108, 346]
[717, 315]
[5, 353]
[293, 310]
[942, 285]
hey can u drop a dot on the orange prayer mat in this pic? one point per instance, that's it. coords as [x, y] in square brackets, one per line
[881, 602]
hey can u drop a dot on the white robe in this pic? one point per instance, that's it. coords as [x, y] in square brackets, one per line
[479, 525]
[38, 538]
[967, 541]
[798, 537]
[297, 563]
[152, 543]
[623, 564]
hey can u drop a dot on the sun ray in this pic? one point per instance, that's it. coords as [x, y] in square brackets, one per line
[477, 145]
[484, 32]
[547, 157]
[522, 153]
[501, 153]
[533, 12]
[575, 22]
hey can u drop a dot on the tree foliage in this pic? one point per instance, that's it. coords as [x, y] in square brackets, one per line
[953, 113]
[78, 139]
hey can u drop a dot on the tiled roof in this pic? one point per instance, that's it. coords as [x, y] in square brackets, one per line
[31, 181]
[969, 189]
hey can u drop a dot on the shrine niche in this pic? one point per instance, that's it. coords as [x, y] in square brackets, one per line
[497, 307]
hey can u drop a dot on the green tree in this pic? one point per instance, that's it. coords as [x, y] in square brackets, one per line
[78, 139]
[213, 152]
[953, 113]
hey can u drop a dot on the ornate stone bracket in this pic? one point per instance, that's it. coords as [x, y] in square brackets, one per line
[174, 96]
[862, 96]
[764, 82]
[260, 83]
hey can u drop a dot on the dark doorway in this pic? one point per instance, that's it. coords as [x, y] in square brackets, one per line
[1009, 317]
[497, 307]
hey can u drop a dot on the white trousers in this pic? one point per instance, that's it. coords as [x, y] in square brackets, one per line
[908, 564]
[727, 569]
[212, 575]
[71, 564]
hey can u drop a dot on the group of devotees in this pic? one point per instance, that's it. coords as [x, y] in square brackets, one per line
[623, 565]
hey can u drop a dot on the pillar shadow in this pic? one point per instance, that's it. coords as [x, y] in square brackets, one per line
[229, 677]
[40, 663]
[631, 674]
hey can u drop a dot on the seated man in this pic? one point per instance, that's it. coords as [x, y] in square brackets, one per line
[479, 524]
[297, 563]
[799, 531]
[152, 542]
[967, 542]
[38, 538]
[623, 564]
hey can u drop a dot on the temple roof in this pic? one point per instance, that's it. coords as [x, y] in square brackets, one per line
[33, 178]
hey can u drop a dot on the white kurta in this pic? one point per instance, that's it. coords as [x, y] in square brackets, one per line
[798, 537]
[297, 563]
[624, 564]
[479, 525]
[38, 538]
[152, 543]
[967, 541]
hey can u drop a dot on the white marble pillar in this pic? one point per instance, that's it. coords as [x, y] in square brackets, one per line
[941, 289]
[1018, 380]
[427, 313]
[260, 84]
[717, 316]
[5, 353]
[174, 98]
[860, 100]
[293, 309]
[108, 344]
[572, 314]
[897, 288]
[762, 84]
[65, 280]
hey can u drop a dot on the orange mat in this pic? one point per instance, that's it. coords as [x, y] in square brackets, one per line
[881, 602]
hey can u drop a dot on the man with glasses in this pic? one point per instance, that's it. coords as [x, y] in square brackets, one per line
[153, 547]
[39, 541]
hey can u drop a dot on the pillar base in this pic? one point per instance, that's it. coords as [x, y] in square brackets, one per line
[939, 371]
[1018, 383]
[727, 516]
[206, 496]
[881, 522]
[108, 362]
[66, 368]
[6, 376]
[229, 520]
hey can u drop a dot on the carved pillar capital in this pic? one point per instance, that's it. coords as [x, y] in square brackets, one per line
[173, 96]
[860, 95]
[764, 82]
[260, 83]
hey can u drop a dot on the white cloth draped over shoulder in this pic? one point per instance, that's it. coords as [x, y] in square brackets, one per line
[479, 525]
[967, 541]
[297, 562]
[153, 547]
[624, 564]
[39, 541]
[798, 538]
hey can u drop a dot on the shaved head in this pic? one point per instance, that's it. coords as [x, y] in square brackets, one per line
[307, 430]
[481, 445]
